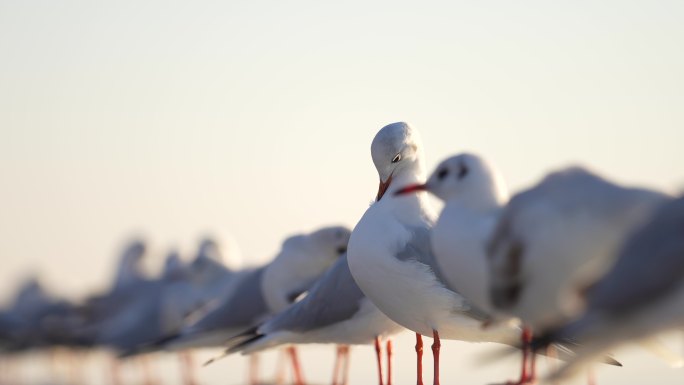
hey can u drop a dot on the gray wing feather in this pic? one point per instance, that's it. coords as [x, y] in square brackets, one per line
[650, 264]
[242, 309]
[135, 323]
[419, 249]
[334, 298]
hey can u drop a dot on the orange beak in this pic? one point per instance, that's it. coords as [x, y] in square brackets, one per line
[382, 189]
[411, 188]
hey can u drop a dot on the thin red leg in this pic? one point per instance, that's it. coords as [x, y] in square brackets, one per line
[419, 356]
[115, 368]
[253, 369]
[389, 362]
[435, 355]
[528, 365]
[336, 368]
[591, 377]
[531, 375]
[299, 377]
[187, 367]
[533, 368]
[345, 366]
[378, 354]
[145, 364]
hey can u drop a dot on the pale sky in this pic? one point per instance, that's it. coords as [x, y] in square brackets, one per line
[254, 119]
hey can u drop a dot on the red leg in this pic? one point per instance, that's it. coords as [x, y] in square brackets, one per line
[532, 378]
[115, 368]
[591, 377]
[187, 367]
[419, 356]
[280, 368]
[299, 377]
[253, 369]
[435, 356]
[389, 361]
[345, 366]
[528, 365]
[145, 364]
[378, 354]
[336, 368]
[529, 354]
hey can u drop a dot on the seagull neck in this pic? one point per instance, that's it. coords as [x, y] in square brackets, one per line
[404, 179]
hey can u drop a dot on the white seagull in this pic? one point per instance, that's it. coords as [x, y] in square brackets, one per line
[333, 311]
[556, 239]
[643, 294]
[390, 256]
[302, 259]
[473, 192]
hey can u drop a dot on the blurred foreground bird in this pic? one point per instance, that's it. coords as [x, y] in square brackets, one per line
[301, 260]
[643, 293]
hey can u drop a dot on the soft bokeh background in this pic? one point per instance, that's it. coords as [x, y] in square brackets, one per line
[253, 120]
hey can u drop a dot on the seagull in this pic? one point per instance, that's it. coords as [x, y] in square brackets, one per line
[558, 237]
[335, 311]
[473, 192]
[390, 256]
[130, 269]
[129, 273]
[643, 293]
[301, 260]
[142, 312]
[35, 319]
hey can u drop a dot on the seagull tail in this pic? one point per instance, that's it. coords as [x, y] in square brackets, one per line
[236, 343]
[149, 347]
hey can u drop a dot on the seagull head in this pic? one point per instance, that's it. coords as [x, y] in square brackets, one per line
[210, 249]
[173, 266]
[465, 178]
[302, 260]
[208, 264]
[133, 252]
[130, 266]
[332, 241]
[397, 154]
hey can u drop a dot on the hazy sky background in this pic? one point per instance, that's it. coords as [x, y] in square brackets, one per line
[254, 119]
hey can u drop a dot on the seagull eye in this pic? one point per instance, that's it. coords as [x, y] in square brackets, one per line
[396, 158]
[442, 174]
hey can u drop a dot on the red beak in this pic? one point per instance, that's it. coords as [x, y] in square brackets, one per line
[382, 189]
[411, 188]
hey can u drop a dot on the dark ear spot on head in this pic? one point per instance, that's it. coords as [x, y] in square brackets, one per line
[441, 174]
[462, 170]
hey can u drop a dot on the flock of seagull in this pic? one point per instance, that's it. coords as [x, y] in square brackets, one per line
[571, 267]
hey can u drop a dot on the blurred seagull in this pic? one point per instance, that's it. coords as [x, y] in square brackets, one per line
[473, 192]
[558, 237]
[391, 260]
[643, 294]
[301, 260]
